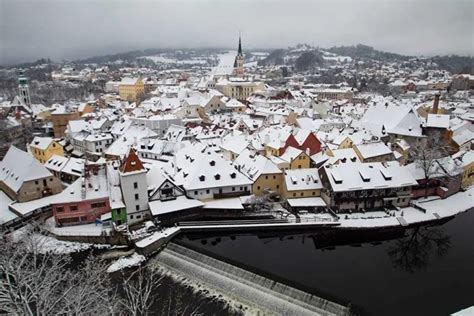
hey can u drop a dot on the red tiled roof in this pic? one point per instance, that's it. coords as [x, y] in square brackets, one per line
[131, 163]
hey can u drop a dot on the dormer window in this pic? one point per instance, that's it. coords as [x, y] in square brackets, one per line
[202, 178]
[217, 176]
[212, 163]
[233, 175]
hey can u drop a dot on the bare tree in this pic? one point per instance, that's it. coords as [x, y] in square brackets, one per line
[140, 290]
[34, 282]
[426, 157]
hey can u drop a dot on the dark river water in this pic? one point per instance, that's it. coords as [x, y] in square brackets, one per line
[418, 271]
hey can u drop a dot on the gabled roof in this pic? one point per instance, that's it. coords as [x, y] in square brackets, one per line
[291, 153]
[18, 166]
[131, 163]
[409, 125]
[41, 143]
[253, 165]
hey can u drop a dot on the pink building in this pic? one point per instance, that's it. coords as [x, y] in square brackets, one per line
[85, 200]
[82, 212]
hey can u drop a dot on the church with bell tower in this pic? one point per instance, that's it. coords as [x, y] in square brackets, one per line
[239, 61]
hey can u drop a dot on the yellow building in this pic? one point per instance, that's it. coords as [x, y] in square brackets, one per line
[265, 174]
[44, 148]
[131, 89]
[302, 183]
[467, 161]
[346, 143]
[268, 182]
[240, 89]
[60, 118]
[296, 158]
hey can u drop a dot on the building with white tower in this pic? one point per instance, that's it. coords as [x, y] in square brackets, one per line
[134, 187]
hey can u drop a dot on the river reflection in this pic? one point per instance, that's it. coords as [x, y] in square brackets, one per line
[418, 271]
[416, 251]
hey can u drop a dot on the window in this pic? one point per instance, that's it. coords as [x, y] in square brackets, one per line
[302, 193]
[207, 191]
[258, 188]
[99, 204]
[131, 216]
[135, 185]
[59, 209]
[117, 211]
[274, 177]
[294, 194]
[278, 186]
[195, 192]
[139, 216]
[36, 182]
[233, 188]
[136, 196]
[266, 177]
[299, 166]
[314, 193]
[137, 207]
[73, 207]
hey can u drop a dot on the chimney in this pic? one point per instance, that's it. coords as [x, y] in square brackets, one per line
[18, 114]
[434, 110]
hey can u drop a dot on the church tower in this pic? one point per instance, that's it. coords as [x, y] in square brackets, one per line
[239, 61]
[24, 89]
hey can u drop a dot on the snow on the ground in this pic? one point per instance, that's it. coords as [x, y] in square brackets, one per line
[469, 311]
[50, 244]
[165, 233]
[125, 262]
[455, 204]
[76, 230]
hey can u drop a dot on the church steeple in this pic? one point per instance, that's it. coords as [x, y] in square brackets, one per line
[239, 61]
[240, 46]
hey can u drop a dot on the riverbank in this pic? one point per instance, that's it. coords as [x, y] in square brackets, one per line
[417, 270]
[423, 211]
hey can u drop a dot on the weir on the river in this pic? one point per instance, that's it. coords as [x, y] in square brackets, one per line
[257, 292]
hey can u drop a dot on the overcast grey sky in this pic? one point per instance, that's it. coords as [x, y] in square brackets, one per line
[69, 29]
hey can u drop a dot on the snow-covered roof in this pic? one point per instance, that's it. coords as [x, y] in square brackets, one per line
[18, 166]
[437, 120]
[129, 81]
[306, 202]
[159, 207]
[41, 143]
[253, 164]
[365, 176]
[290, 154]
[197, 167]
[302, 179]
[371, 150]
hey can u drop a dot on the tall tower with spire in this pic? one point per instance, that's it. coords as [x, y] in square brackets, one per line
[239, 61]
[24, 89]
